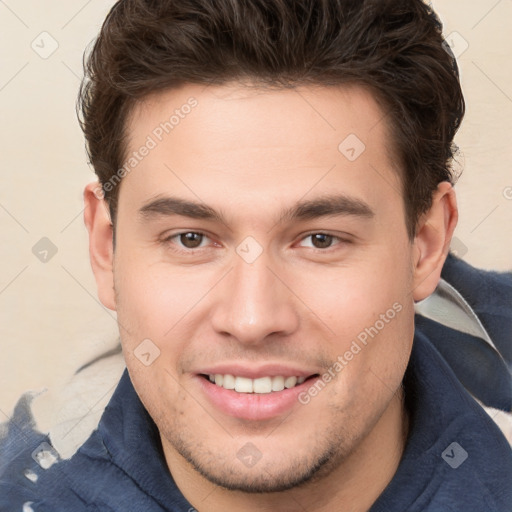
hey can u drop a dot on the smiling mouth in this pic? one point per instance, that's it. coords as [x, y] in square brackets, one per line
[262, 385]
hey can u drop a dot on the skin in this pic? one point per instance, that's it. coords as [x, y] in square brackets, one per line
[251, 154]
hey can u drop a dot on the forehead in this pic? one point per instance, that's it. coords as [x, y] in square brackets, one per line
[254, 140]
[309, 114]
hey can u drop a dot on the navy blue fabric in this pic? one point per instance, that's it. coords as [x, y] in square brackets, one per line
[119, 468]
[477, 365]
[442, 412]
[490, 296]
[483, 371]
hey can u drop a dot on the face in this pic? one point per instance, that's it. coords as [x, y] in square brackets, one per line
[261, 242]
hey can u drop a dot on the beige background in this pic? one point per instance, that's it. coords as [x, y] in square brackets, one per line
[51, 320]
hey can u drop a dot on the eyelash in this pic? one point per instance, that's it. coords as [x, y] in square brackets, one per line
[340, 240]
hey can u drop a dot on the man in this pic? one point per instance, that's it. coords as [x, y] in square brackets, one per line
[275, 196]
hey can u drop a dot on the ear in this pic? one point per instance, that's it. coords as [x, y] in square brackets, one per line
[101, 249]
[432, 241]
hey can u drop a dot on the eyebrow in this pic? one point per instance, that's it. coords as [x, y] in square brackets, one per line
[330, 205]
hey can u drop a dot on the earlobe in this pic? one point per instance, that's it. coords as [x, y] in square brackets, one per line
[101, 250]
[432, 241]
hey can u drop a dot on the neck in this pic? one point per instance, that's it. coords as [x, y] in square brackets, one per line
[352, 485]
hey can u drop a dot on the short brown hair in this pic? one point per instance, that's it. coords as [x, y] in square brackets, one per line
[394, 47]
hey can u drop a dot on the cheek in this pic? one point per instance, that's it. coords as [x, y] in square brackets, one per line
[167, 308]
[353, 299]
[371, 367]
[151, 299]
[370, 315]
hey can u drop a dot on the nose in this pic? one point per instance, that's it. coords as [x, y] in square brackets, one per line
[254, 302]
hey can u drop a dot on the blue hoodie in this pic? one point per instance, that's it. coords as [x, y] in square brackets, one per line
[455, 459]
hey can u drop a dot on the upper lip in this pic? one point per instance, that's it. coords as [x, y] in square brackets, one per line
[256, 372]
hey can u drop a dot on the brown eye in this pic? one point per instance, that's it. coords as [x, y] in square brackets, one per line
[321, 240]
[191, 240]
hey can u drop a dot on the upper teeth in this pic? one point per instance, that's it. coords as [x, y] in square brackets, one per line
[261, 385]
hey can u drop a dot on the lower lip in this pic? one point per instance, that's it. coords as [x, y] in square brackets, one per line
[253, 406]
